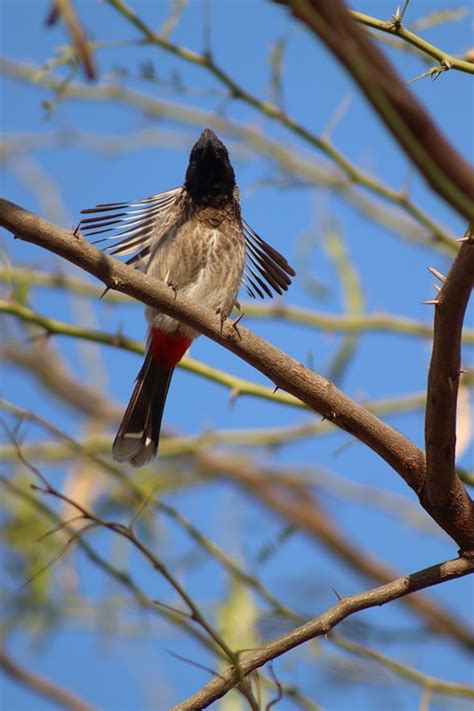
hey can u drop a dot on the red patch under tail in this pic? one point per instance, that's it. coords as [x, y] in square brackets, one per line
[168, 348]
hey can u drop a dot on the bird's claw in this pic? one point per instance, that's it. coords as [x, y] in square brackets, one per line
[235, 324]
[223, 317]
[172, 285]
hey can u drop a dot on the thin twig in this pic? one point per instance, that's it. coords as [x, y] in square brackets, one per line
[398, 30]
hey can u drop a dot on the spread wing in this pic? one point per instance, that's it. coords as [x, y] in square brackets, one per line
[134, 224]
[265, 267]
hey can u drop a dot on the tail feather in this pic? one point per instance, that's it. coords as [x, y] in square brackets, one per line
[139, 432]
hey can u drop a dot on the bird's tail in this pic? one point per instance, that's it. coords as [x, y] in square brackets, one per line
[139, 432]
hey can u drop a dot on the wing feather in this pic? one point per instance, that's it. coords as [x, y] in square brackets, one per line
[129, 225]
[272, 266]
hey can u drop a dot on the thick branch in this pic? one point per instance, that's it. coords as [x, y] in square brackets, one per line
[293, 377]
[436, 159]
[443, 493]
[321, 625]
[289, 375]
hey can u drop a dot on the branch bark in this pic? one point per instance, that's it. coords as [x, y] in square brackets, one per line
[435, 158]
[289, 375]
[321, 625]
[443, 492]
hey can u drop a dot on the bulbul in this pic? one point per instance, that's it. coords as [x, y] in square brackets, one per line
[194, 239]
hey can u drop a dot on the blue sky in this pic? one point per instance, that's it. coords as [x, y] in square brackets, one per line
[124, 673]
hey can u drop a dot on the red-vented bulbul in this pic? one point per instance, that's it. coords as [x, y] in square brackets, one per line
[194, 239]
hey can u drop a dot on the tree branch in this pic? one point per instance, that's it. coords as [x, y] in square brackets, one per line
[321, 625]
[435, 158]
[289, 375]
[398, 30]
[315, 391]
[443, 493]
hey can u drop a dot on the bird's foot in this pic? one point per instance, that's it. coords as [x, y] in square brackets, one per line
[172, 285]
[235, 324]
[223, 316]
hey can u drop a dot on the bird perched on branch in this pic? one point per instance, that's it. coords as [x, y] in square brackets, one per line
[194, 239]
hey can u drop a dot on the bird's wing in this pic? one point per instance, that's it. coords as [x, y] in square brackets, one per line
[265, 268]
[134, 224]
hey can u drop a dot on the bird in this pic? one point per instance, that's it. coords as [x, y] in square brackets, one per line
[194, 239]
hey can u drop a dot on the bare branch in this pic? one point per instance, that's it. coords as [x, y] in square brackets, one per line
[443, 493]
[398, 30]
[315, 391]
[321, 625]
[435, 158]
[291, 376]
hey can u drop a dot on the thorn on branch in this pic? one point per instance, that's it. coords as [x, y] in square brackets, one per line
[233, 395]
[437, 274]
[443, 67]
[434, 302]
[396, 19]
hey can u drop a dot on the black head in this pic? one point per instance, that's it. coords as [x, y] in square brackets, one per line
[210, 178]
